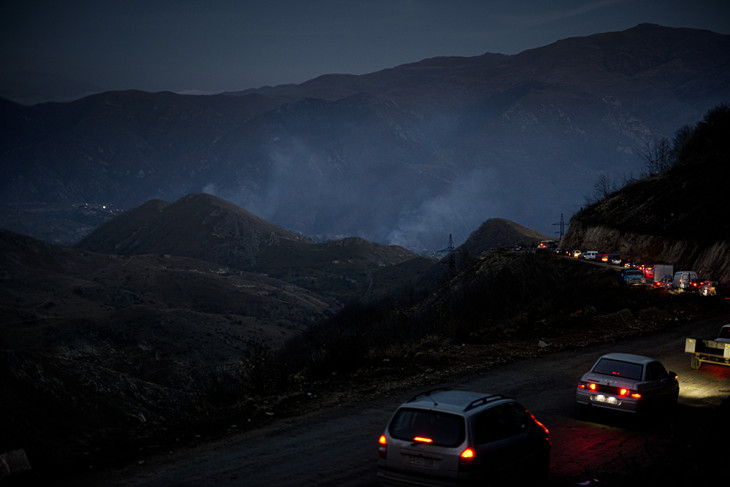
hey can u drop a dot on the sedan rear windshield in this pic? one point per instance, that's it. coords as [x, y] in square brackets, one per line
[443, 429]
[618, 368]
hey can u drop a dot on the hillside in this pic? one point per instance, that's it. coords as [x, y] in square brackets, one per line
[143, 346]
[674, 217]
[208, 228]
[406, 155]
[98, 351]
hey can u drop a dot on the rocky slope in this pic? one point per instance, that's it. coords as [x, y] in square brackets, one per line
[676, 217]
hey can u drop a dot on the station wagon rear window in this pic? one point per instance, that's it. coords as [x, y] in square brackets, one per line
[443, 429]
[618, 368]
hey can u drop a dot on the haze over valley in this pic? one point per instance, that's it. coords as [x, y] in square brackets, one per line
[407, 155]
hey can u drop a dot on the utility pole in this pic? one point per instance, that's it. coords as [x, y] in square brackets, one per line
[561, 232]
[450, 251]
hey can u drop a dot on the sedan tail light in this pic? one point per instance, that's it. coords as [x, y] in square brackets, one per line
[623, 392]
[588, 385]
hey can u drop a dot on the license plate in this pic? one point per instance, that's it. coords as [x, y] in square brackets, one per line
[606, 399]
[421, 461]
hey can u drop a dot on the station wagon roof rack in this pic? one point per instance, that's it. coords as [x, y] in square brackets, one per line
[482, 401]
[428, 393]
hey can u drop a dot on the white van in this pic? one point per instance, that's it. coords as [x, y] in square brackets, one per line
[590, 255]
[682, 279]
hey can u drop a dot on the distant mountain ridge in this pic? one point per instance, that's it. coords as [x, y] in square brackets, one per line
[498, 232]
[199, 225]
[406, 155]
[206, 227]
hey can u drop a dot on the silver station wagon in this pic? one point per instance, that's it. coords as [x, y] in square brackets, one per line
[450, 437]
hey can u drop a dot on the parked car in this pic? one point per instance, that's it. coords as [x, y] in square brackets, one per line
[627, 382]
[450, 437]
[590, 255]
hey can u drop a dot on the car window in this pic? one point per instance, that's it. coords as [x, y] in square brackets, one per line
[724, 333]
[500, 422]
[443, 429]
[618, 368]
[655, 371]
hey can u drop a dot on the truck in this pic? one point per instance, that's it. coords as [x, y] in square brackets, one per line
[710, 350]
[631, 277]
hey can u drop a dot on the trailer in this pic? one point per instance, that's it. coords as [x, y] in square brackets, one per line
[710, 350]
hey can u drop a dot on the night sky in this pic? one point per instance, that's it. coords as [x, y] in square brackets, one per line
[206, 46]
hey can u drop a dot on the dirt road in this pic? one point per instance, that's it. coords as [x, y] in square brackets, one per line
[339, 447]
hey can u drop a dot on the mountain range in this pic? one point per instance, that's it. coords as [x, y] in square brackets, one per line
[407, 155]
[176, 318]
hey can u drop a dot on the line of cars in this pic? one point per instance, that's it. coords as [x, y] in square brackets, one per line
[659, 275]
[445, 437]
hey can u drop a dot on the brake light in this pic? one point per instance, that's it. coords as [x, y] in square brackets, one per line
[636, 395]
[592, 386]
[623, 392]
[382, 446]
[421, 439]
[467, 457]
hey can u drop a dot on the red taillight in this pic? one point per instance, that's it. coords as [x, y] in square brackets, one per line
[422, 439]
[467, 457]
[592, 386]
[382, 446]
[623, 392]
[636, 395]
[547, 432]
